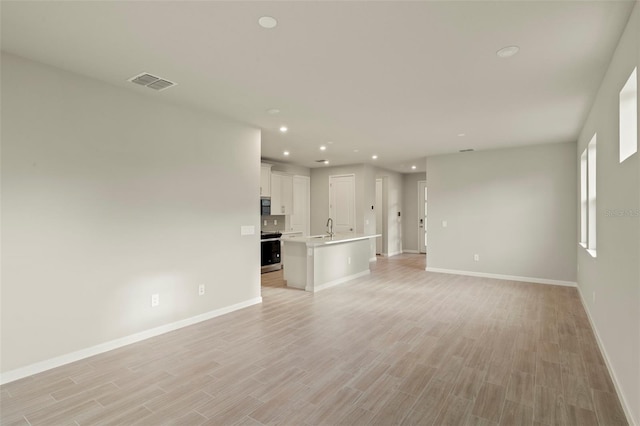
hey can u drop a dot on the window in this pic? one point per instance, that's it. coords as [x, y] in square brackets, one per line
[629, 117]
[588, 197]
[584, 201]
[591, 191]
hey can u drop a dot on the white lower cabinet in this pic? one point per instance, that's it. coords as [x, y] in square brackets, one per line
[285, 236]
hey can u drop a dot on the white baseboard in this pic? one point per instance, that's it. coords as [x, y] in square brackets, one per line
[612, 373]
[373, 259]
[334, 283]
[410, 251]
[504, 277]
[393, 253]
[41, 366]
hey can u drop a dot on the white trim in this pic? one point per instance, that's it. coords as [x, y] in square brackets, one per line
[390, 254]
[373, 259]
[410, 251]
[592, 252]
[625, 404]
[334, 283]
[504, 277]
[41, 366]
[421, 200]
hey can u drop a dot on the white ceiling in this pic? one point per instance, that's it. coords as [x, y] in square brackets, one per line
[396, 79]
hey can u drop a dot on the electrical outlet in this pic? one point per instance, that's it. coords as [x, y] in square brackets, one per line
[476, 257]
[275, 221]
[349, 260]
[594, 297]
[201, 289]
[155, 300]
[444, 223]
[265, 222]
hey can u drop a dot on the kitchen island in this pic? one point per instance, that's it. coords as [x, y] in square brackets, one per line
[322, 261]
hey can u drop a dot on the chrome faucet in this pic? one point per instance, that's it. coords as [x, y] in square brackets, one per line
[330, 226]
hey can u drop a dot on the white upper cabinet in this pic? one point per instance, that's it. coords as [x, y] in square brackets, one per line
[281, 193]
[265, 180]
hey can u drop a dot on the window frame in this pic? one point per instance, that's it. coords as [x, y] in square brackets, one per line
[592, 195]
[584, 200]
[588, 197]
[628, 117]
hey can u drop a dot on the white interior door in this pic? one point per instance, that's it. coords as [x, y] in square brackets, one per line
[422, 216]
[300, 217]
[379, 226]
[342, 203]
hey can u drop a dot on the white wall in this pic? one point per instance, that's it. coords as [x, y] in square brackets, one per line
[614, 276]
[392, 203]
[410, 201]
[516, 208]
[369, 201]
[109, 196]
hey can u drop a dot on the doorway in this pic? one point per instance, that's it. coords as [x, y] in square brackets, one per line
[422, 215]
[342, 203]
[379, 210]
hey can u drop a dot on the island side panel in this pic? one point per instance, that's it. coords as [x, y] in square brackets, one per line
[295, 261]
[331, 263]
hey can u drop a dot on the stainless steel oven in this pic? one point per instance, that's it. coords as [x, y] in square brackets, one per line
[270, 248]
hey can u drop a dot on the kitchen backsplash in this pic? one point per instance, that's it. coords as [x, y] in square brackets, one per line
[271, 225]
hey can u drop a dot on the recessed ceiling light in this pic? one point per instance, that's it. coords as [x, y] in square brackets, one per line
[273, 111]
[507, 52]
[413, 167]
[356, 150]
[461, 134]
[283, 129]
[267, 22]
[322, 147]
[375, 157]
[286, 153]
[326, 161]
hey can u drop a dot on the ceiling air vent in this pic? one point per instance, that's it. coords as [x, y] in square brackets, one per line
[320, 161]
[466, 150]
[151, 81]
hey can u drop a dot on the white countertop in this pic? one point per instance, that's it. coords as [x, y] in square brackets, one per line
[323, 240]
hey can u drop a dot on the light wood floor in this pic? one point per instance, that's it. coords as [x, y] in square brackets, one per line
[402, 346]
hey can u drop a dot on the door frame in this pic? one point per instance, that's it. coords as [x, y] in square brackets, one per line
[379, 211]
[421, 215]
